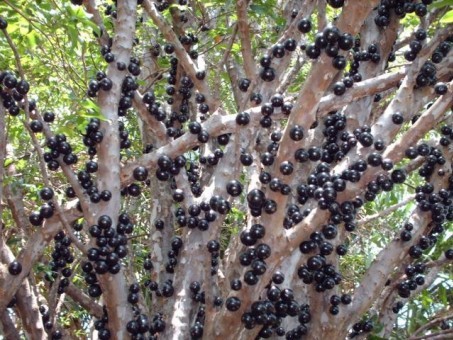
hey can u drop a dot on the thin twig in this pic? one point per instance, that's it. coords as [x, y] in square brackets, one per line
[385, 212]
[226, 54]
[446, 334]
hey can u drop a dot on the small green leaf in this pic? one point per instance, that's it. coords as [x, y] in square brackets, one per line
[31, 39]
[73, 34]
[8, 162]
[447, 18]
[441, 3]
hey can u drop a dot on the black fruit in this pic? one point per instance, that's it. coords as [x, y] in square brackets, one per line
[15, 268]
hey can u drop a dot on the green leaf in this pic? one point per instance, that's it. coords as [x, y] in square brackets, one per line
[73, 34]
[441, 3]
[375, 337]
[32, 40]
[93, 26]
[8, 162]
[447, 18]
[180, 7]
[236, 48]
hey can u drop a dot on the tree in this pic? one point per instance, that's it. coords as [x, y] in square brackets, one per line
[237, 170]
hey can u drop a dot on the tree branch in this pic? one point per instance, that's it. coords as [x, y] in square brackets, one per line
[8, 327]
[26, 304]
[114, 286]
[446, 334]
[90, 6]
[3, 141]
[226, 54]
[358, 112]
[303, 113]
[84, 301]
[386, 260]
[359, 90]
[290, 76]
[156, 128]
[180, 52]
[322, 19]
[227, 124]
[28, 309]
[31, 252]
[385, 212]
[430, 324]
[266, 89]
[244, 35]
[404, 99]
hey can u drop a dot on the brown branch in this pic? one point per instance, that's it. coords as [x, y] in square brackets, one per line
[226, 54]
[90, 6]
[405, 97]
[15, 199]
[322, 18]
[180, 52]
[266, 89]
[389, 295]
[362, 89]
[438, 263]
[196, 255]
[84, 301]
[426, 121]
[69, 174]
[16, 54]
[430, 324]
[7, 327]
[373, 280]
[444, 335]
[232, 68]
[3, 141]
[28, 310]
[414, 164]
[215, 125]
[429, 19]
[244, 36]
[306, 106]
[27, 305]
[156, 128]
[358, 112]
[291, 29]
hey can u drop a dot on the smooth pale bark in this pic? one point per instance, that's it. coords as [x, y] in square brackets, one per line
[114, 287]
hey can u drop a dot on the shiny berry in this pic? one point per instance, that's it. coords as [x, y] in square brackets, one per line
[15, 268]
[233, 303]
